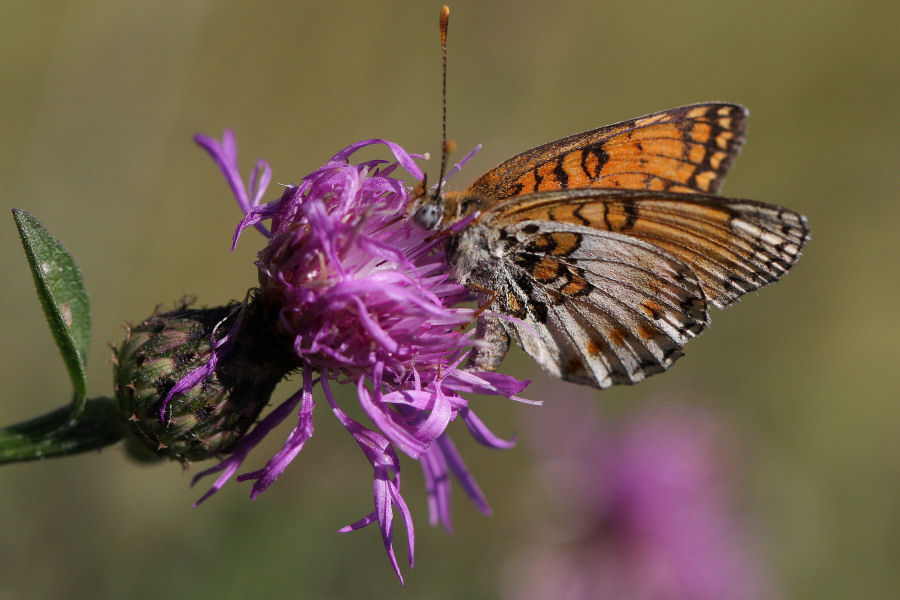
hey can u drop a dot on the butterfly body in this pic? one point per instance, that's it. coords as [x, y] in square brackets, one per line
[606, 248]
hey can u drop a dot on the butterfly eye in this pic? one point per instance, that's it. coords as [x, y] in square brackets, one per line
[428, 215]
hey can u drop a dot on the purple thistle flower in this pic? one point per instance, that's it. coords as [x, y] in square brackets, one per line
[645, 511]
[360, 295]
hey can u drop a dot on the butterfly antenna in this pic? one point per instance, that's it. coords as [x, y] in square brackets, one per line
[444, 21]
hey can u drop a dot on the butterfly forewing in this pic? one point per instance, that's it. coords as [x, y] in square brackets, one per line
[733, 246]
[685, 149]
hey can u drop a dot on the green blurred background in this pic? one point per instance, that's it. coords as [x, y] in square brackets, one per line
[98, 105]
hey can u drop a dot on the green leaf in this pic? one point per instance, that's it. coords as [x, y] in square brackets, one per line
[61, 290]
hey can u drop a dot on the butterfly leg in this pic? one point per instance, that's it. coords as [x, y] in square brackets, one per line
[492, 295]
[493, 344]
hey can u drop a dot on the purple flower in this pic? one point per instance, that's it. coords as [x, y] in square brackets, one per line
[362, 296]
[645, 511]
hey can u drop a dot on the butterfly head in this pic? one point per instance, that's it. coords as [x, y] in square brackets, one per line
[439, 212]
[428, 211]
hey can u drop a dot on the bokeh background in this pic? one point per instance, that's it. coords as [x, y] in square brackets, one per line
[98, 105]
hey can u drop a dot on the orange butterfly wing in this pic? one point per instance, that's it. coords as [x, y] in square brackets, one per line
[609, 245]
[685, 149]
[608, 285]
[733, 246]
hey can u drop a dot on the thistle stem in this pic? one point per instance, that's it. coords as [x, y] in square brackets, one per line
[58, 434]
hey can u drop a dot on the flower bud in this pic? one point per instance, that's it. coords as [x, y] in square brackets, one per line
[207, 419]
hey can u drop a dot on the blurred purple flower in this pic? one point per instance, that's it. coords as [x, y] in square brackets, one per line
[645, 512]
[362, 296]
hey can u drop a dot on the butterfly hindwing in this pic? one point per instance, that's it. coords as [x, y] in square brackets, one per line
[685, 149]
[595, 306]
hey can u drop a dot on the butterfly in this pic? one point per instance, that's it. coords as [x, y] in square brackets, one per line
[601, 253]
